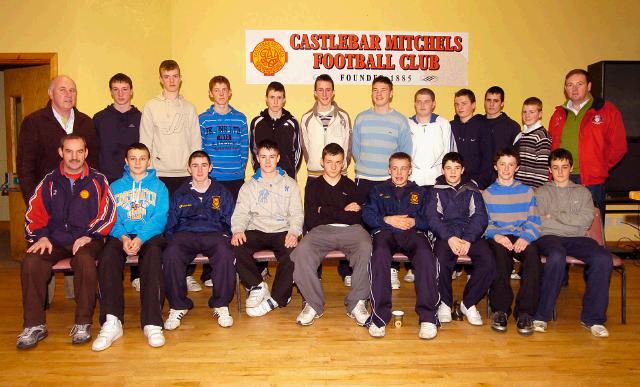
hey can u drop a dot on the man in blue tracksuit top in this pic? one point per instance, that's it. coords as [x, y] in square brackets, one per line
[142, 202]
[199, 222]
[395, 213]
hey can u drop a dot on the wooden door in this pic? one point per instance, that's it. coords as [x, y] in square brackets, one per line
[25, 92]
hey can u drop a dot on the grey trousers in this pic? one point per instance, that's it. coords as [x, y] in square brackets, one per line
[353, 241]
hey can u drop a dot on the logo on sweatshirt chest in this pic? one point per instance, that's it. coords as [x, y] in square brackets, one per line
[414, 198]
[597, 119]
[215, 202]
[84, 194]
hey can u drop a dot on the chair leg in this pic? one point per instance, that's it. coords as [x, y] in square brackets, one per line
[51, 290]
[238, 297]
[68, 286]
[623, 294]
[554, 315]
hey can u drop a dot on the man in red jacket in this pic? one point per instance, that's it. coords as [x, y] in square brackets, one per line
[41, 131]
[590, 128]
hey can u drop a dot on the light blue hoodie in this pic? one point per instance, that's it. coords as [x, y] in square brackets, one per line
[142, 206]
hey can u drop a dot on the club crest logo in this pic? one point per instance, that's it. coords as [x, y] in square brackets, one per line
[215, 202]
[84, 194]
[597, 119]
[414, 198]
[268, 57]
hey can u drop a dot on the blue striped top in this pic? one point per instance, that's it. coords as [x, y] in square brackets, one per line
[375, 138]
[512, 211]
[225, 138]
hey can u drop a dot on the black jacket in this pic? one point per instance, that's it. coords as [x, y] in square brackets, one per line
[115, 132]
[285, 132]
[475, 145]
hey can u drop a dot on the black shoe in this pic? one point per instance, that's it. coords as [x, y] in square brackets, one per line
[525, 325]
[499, 322]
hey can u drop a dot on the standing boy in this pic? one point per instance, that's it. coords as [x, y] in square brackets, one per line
[457, 217]
[333, 213]
[533, 145]
[268, 215]
[566, 210]
[473, 140]
[142, 202]
[395, 213]
[513, 225]
[199, 219]
[502, 128]
[276, 124]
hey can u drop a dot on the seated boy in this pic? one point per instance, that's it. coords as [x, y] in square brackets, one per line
[457, 218]
[566, 210]
[333, 214]
[533, 145]
[513, 224]
[142, 201]
[268, 215]
[395, 213]
[199, 219]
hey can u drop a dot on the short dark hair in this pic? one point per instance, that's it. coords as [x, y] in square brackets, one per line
[275, 86]
[495, 90]
[400, 156]
[533, 101]
[425, 91]
[454, 157]
[466, 93]
[120, 77]
[167, 65]
[198, 154]
[219, 79]
[137, 146]
[332, 149]
[383, 79]
[323, 77]
[508, 151]
[268, 144]
[561, 154]
[72, 136]
[578, 71]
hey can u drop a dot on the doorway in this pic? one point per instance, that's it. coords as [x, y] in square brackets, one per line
[25, 79]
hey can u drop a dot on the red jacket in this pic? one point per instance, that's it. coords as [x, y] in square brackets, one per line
[602, 140]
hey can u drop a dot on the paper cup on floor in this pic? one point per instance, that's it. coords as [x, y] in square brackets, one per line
[397, 318]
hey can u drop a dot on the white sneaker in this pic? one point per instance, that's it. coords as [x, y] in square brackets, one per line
[375, 331]
[173, 321]
[473, 316]
[360, 313]
[539, 326]
[154, 334]
[409, 277]
[224, 318]
[208, 283]
[444, 313]
[110, 331]
[136, 284]
[192, 284]
[395, 282]
[307, 316]
[347, 281]
[266, 306]
[597, 330]
[256, 295]
[427, 330]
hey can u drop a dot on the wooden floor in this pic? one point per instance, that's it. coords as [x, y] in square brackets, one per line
[273, 350]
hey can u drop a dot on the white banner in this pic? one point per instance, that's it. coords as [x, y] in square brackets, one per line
[356, 57]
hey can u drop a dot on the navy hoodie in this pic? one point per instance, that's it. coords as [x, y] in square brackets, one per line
[384, 200]
[456, 211]
[115, 132]
[475, 145]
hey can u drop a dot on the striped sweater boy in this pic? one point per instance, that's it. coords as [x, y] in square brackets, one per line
[512, 210]
[534, 147]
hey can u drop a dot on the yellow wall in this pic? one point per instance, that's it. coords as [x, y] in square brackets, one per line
[524, 46]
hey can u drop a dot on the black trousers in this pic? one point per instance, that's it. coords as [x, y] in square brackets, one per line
[501, 294]
[248, 271]
[110, 277]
